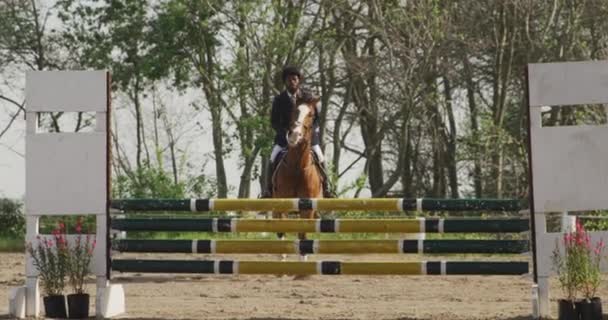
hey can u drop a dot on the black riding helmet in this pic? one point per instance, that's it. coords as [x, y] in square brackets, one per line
[291, 70]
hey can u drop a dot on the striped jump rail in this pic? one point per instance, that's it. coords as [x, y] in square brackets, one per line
[323, 246]
[420, 225]
[321, 267]
[358, 204]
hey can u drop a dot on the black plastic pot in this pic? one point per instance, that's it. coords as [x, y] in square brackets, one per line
[566, 310]
[54, 307]
[590, 309]
[78, 305]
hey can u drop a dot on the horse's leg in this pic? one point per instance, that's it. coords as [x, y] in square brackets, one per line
[280, 235]
[279, 215]
[305, 214]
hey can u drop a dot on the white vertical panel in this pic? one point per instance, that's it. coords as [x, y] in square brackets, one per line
[567, 83]
[569, 167]
[68, 91]
[66, 173]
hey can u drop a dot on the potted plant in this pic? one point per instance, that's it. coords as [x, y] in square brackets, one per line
[578, 270]
[566, 265]
[50, 259]
[590, 307]
[80, 256]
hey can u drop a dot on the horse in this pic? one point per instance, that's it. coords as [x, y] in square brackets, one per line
[297, 174]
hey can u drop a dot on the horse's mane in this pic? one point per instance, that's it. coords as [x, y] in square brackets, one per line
[307, 97]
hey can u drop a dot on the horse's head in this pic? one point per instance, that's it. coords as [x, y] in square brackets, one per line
[300, 128]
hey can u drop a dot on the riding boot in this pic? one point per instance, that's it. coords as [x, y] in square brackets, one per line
[328, 191]
[267, 194]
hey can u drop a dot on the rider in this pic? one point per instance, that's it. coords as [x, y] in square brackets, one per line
[282, 106]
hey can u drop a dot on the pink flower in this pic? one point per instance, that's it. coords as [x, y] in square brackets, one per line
[579, 226]
[568, 239]
[61, 226]
[79, 225]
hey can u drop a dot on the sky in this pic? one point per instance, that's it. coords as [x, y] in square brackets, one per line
[12, 144]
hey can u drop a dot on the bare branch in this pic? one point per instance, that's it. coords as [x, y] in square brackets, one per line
[10, 123]
[19, 105]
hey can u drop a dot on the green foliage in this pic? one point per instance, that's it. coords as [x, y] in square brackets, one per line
[109, 35]
[12, 220]
[202, 186]
[147, 182]
[182, 35]
[597, 224]
[356, 185]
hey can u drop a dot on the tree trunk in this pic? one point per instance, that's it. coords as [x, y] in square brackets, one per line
[218, 150]
[370, 124]
[473, 117]
[138, 124]
[451, 140]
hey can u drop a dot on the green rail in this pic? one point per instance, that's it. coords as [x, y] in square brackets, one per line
[358, 204]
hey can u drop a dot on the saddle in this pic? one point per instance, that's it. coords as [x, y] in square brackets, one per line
[327, 190]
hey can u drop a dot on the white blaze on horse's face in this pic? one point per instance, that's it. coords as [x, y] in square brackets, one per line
[294, 136]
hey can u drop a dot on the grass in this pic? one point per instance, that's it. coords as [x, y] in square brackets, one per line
[12, 245]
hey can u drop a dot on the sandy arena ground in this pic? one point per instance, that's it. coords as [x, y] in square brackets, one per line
[317, 297]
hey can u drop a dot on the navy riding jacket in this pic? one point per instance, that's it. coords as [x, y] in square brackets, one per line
[282, 108]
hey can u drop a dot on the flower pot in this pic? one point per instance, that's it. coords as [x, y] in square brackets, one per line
[78, 305]
[54, 306]
[566, 310]
[590, 309]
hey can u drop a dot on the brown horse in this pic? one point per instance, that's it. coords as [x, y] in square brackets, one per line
[297, 175]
